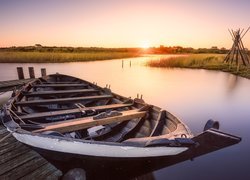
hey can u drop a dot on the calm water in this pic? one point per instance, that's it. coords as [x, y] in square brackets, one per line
[192, 95]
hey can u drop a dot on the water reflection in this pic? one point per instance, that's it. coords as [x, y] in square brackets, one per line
[192, 95]
[233, 82]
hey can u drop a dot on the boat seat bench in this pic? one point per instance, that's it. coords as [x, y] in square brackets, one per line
[59, 85]
[59, 92]
[62, 100]
[72, 111]
[83, 123]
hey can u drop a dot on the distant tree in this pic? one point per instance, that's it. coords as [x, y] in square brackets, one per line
[38, 45]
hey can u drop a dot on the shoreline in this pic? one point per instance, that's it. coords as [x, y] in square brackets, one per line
[202, 61]
[62, 57]
[233, 71]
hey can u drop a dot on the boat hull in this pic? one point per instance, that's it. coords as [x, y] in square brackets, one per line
[108, 167]
[124, 168]
[150, 139]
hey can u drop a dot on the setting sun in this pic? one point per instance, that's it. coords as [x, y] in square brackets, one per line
[145, 44]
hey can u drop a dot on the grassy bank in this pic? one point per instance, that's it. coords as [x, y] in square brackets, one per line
[201, 61]
[60, 57]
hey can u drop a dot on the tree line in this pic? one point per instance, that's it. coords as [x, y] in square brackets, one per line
[152, 50]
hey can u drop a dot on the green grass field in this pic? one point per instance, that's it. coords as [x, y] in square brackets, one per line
[60, 57]
[201, 61]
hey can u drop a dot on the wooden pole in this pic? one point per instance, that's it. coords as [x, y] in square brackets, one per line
[130, 63]
[122, 63]
[20, 73]
[31, 72]
[238, 67]
[43, 72]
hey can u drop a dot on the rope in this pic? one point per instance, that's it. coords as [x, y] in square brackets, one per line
[5, 137]
[16, 116]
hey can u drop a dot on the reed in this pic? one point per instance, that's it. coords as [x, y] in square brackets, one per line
[200, 61]
[60, 57]
[189, 61]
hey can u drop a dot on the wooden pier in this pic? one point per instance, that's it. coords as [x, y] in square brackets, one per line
[11, 84]
[18, 161]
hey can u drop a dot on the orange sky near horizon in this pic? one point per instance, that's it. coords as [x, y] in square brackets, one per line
[117, 23]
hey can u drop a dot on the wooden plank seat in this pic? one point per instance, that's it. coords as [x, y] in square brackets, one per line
[59, 85]
[159, 124]
[59, 92]
[83, 123]
[72, 111]
[61, 82]
[62, 100]
[120, 131]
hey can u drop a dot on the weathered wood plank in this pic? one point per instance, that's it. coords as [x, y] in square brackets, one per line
[7, 141]
[8, 85]
[9, 147]
[60, 85]
[18, 161]
[159, 124]
[54, 175]
[62, 82]
[62, 100]
[60, 92]
[15, 162]
[3, 130]
[13, 153]
[42, 173]
[25, 169]
[72, 111]
[13, 82]
[82, 123]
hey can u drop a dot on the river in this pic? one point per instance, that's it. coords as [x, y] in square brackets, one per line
[192, 95]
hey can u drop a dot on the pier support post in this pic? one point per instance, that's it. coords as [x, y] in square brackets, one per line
[31, 72]
[20, 73]
[43, 72]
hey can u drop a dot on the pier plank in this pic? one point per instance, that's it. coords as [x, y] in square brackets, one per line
[19, 161]
[25, 169]
[43, 172]
[6, 85]
[10, 146]
[3, 131]
[7, 141]
[13, 153]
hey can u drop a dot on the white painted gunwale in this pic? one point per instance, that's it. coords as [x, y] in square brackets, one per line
[92, 149]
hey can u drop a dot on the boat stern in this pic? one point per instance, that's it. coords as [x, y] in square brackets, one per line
[212, 140]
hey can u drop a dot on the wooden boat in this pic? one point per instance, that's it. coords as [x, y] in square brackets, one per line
[77, 124]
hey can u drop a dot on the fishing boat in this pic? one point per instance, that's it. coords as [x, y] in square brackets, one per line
[77, 124]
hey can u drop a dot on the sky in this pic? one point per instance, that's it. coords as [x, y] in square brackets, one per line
[122, 23]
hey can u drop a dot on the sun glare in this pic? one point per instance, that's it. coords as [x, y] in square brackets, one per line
[145, 45]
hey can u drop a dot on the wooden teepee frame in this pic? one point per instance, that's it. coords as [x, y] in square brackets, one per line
[238, 54]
